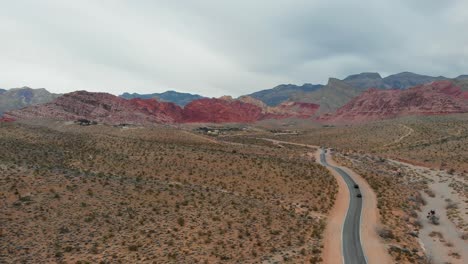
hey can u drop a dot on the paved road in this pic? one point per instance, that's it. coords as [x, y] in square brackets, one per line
[351, 241]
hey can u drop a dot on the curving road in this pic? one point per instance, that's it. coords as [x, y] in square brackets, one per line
[351, 239]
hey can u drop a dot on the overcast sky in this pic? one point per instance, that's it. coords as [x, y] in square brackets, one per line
[224, 47]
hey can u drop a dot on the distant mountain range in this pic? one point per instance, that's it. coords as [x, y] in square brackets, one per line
[360, 97]
[180, 99]
[17, 98]
[402, 80]
[110, 109]
[283, 92]
[337, 92]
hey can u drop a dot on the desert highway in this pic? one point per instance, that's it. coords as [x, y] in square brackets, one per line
[350, 240]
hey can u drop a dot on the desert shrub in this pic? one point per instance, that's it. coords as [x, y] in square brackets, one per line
[451, 205]
[133, 247]
[385, 233]
[464, 236]
[181, 221]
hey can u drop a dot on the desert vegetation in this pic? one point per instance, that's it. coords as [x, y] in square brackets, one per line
[415, 207]
[103, 194]
[439, 142]
[398, 200]
[374, 150]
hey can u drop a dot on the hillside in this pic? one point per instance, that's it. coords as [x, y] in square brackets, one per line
[220, 110]
[338, 92]
[331, 97]
[110, 109]
[283, 101]
[101, 107]
[180, 99]
[436, 98]
[17, 98]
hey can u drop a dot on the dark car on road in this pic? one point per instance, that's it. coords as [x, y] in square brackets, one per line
[359, 195]
[356, 186]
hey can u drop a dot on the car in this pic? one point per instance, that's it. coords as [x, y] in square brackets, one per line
[356, 186]
[359, 195]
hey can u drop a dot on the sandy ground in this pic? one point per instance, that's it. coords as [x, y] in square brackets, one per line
[443, 248]
[373, 246]
[332, 251]
[437, 247]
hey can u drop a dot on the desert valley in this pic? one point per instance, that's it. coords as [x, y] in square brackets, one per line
[96, 178]
[219, 132]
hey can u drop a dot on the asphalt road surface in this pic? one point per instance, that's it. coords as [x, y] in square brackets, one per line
[351, 240]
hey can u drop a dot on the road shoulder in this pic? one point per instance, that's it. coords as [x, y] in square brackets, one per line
[332, 251]
[372, 244]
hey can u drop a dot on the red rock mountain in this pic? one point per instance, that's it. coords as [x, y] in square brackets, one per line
[435, 98]
[101, 107]
[221, 110]
[107, 108]
[244, 110]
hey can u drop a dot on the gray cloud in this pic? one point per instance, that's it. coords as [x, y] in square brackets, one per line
[224, 47]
